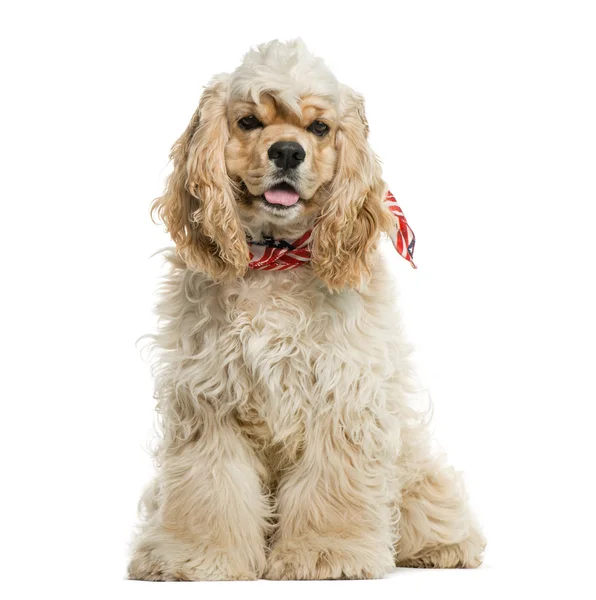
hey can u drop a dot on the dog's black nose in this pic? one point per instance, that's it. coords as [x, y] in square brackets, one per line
[286, 155]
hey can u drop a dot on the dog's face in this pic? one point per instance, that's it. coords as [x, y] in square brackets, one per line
[280, 159]
[276, 148]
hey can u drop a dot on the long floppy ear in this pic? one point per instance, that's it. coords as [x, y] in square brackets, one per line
[198, 206]
[346, 234]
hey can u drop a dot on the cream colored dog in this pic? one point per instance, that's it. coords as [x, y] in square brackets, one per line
[290, 447]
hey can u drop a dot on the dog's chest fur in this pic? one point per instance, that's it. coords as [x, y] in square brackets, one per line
[286, 349]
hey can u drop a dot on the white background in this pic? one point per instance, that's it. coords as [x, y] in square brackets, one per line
[484, 114]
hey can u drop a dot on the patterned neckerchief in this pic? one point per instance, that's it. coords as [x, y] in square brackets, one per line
[279, 255]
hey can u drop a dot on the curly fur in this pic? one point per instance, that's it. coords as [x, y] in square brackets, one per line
[198, 206]
[288, 70]
[290, 447]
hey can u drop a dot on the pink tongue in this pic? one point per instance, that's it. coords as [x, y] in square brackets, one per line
[284, 197]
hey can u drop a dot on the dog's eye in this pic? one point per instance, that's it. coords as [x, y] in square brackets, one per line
[318, 128]
[250, 122]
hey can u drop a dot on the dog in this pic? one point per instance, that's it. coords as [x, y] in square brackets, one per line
[290, 446]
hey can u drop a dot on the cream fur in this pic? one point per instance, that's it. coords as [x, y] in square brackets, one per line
[289, 70]
[290, 446]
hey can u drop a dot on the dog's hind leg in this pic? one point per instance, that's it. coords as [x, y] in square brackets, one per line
[436, 529]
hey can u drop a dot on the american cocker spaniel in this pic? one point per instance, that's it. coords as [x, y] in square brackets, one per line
[290, 447]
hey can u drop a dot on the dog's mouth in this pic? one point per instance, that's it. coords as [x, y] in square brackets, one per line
[281, 195]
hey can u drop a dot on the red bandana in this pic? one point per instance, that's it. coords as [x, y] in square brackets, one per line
[279, 255]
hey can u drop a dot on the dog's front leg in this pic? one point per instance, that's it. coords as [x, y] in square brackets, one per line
[207, 516]
[335, 517]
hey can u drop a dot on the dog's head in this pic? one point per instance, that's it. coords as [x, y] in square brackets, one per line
[276, 148]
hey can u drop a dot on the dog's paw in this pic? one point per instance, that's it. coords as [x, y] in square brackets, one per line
[327, 559]
[187, 564]
[465, 555]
